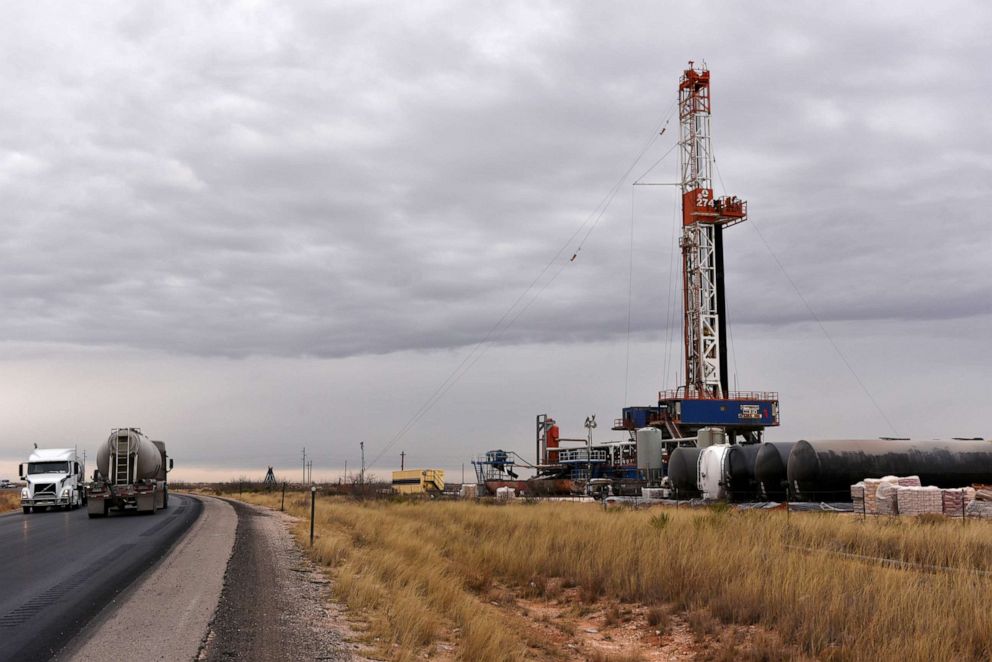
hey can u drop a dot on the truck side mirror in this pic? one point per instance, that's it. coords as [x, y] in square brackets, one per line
[75, 468]
[20, 471]
[170, 464]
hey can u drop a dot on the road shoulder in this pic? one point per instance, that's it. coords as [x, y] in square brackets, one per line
[171, 608]
[275, 605]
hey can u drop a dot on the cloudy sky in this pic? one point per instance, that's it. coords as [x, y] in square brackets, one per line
[253, 227]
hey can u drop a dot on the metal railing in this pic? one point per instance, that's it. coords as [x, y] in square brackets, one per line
[692, 394]
[582, 455]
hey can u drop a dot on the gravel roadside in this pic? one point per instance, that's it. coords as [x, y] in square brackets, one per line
[275, 605]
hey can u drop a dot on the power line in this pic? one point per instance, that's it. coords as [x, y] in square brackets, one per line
[476, 352]
[670, 306]
[813, 314]
[630, 296]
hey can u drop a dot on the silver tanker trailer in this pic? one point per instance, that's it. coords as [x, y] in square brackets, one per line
[131, 473]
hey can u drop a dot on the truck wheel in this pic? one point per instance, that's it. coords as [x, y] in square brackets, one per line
[27, 510]
[165, 498]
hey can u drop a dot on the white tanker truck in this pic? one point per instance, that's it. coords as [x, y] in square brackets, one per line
[131, 473]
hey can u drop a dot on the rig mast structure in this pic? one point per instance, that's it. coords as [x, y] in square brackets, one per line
[704, 218]
[704, 400]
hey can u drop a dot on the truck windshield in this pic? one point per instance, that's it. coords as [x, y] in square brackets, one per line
[48, 468]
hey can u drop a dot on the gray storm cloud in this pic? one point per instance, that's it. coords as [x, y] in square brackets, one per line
[348, 179]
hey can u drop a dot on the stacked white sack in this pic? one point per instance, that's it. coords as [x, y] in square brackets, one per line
[908, 481]
[871, 487]
[886, 496]
[956, 499]
[978, 509]
[919, 500]
[858, 496]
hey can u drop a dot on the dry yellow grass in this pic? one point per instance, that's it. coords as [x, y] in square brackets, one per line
[416, 570]
[9, 500]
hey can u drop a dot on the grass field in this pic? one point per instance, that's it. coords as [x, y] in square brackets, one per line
[419, 573]
[9, 500]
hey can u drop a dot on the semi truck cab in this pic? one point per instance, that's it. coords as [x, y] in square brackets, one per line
[54, 479]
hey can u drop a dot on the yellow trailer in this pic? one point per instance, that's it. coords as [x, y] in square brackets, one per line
[418, 481]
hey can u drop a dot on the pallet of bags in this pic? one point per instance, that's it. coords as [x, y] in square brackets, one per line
[956, 499]
[983, 493]
[886, 496]
[919, 500]
[858, 497]
[908, 481]
[978, 509]
[871, 487]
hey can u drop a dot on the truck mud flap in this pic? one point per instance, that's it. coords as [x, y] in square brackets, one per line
[97, 507]
[146, 502]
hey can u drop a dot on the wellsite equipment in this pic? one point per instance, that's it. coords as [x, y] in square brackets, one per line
[826, 469]
[418, 481]
[705, 399]
[770, 469]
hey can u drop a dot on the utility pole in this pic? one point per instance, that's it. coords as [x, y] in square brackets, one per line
[304, 465]
[402, 460]
[362, 478]
[313, 503]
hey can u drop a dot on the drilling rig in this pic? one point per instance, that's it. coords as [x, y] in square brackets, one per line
[704, 400]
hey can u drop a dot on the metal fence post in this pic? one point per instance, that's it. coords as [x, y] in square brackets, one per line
[313, 503]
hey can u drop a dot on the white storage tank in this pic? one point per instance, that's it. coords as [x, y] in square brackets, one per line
[649, 448]
[710, 437]
[712, 471]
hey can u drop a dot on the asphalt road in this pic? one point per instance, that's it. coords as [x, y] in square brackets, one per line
[59, 569]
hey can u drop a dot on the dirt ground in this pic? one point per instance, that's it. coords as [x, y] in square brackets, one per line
[570, 627]
[609, 631]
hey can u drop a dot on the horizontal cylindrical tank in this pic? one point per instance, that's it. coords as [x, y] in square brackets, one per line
[739, 478]
[770, 468]
[649, 448]
[825, 470]
[714, 471]
[682, 471]
[144, 458]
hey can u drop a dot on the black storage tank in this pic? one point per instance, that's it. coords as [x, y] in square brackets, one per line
[683, 471]
[825, 470]
[740, 470]
[771, 469]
